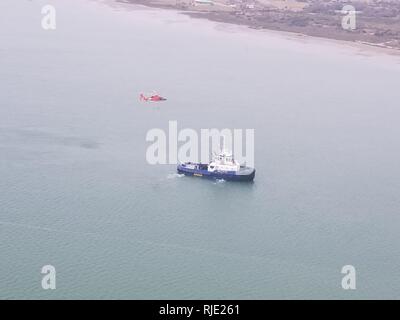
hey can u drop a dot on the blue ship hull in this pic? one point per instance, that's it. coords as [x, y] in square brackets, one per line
[200, 170]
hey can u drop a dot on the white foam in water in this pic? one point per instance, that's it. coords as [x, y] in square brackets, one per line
[174, 175]
[219, 181]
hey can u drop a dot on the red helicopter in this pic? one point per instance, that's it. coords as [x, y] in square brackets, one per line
[152, 98]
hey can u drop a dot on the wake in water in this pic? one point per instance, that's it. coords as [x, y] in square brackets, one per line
[175, 175]
[219, 181]
[42, 228]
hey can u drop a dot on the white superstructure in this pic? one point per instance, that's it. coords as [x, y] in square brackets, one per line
[224, 162]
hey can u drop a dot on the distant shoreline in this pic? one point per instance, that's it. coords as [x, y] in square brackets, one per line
[226, 17]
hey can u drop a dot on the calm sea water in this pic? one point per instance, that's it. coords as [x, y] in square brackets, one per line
[76, 191]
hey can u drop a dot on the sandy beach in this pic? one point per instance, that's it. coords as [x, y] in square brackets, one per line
[377, 32]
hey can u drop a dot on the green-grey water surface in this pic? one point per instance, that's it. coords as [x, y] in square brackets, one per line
[76, 191]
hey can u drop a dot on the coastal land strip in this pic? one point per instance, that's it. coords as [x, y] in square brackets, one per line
[377, 22]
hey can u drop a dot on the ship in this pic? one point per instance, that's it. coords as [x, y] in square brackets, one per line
[222, 167]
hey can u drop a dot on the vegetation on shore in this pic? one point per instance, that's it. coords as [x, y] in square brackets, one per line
[377, 21]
